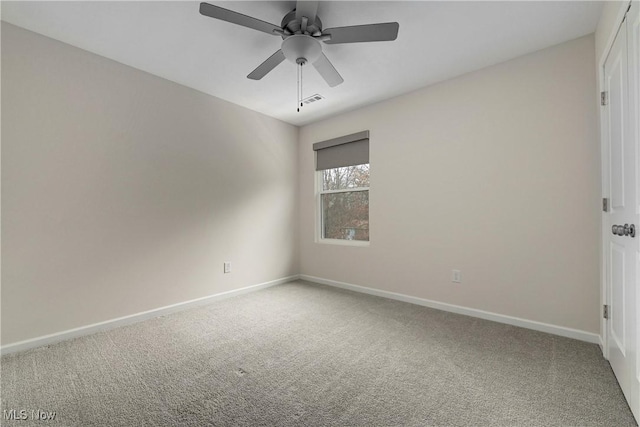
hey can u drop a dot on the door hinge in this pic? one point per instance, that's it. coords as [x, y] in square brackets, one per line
[603, 98]
[605, 311]
[605, 204]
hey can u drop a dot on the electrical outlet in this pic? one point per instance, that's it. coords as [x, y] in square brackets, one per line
[227, 267]
[456, 276]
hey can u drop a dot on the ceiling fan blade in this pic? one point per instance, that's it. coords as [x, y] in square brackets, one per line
[363, 33]
[212, 11]
[328, 71]
[308, 9]
[268, 65]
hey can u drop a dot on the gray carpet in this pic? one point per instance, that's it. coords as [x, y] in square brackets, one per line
[310, 355]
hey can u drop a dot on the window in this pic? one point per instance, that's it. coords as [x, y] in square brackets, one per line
[344, 203]
[342, 168]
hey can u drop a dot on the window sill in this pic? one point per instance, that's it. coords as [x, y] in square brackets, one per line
[339, 242]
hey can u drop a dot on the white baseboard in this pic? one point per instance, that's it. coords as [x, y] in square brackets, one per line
[134, 318]
[501, 318]
[138, 317]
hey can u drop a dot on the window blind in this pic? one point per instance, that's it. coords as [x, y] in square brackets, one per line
[344, 151]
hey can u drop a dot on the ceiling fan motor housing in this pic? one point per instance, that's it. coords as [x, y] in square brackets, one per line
[294, 26]
[301, 46]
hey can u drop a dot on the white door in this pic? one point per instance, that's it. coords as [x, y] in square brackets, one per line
[620, 246]
[633, 47]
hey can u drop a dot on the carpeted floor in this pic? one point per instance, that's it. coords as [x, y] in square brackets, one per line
[310, 355]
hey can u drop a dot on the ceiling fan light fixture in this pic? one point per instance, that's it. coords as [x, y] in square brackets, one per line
[301, 46]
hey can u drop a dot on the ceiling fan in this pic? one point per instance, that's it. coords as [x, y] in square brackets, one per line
[301, 31]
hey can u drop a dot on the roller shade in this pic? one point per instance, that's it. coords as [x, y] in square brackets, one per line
[344, 151]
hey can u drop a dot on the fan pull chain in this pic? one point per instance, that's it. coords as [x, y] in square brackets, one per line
[301, 96]
[298, 87]
[301, 62]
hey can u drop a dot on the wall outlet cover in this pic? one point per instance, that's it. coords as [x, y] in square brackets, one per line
[456, 276]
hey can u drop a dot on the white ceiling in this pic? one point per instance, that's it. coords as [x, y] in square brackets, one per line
[436, 41]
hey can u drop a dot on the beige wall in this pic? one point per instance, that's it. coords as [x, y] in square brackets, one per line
[495, 173]
[123, 192]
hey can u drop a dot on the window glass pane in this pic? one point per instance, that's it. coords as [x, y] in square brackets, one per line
[346, 215]
[347, 177]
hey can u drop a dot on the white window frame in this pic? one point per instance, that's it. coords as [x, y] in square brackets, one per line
[319, 226]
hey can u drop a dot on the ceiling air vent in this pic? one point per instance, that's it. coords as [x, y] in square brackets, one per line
[312, 98]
